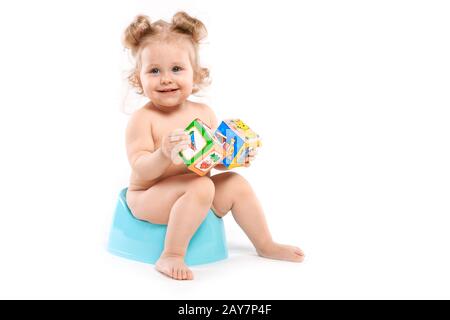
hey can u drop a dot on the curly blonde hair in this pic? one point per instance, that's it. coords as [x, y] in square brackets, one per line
[141, 32]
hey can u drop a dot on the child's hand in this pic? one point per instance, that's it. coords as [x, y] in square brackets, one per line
[251, 156]
[173, 143]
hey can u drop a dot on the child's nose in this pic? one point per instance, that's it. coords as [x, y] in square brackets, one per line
[165, 78]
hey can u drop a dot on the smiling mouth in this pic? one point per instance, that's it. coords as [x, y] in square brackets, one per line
[168, 90]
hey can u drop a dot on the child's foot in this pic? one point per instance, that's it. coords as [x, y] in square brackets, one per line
[174, 267]
[281, 252]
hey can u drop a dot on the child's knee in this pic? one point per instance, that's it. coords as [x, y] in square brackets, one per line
[236, 180]
[203, 189]
[239, 184]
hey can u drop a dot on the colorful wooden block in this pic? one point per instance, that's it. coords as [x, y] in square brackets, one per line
[237, 140]
[204, 151]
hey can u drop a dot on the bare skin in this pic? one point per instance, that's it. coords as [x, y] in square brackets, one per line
[181, 200]
[162, 192]
[249, 215]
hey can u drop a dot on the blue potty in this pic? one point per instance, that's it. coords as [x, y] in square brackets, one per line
[143, 241]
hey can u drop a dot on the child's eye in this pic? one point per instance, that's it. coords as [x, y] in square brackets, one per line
[154, 70]
[176, 69]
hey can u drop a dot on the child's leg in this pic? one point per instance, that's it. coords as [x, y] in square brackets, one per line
[233, 192]
[182, 202]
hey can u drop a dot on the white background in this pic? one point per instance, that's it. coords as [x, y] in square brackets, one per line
[351, 99]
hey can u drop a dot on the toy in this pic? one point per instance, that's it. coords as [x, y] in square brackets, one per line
[237, 141]
[204, 151]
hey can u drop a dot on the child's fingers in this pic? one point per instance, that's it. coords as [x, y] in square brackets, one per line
[174, 138]
[250, 157]
[180, 145]
[175, 157]
[178, 137]
[176, 148]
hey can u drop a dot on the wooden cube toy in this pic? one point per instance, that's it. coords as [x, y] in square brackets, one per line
[237, 140]
[204, 151]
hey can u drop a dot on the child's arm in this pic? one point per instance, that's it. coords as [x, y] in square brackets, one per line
[147, 163]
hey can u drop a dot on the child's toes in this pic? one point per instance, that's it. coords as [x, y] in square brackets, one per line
[180, 274]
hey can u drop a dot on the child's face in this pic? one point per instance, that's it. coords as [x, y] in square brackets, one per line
[166, 74]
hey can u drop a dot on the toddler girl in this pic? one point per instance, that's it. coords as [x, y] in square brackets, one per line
[162, 190]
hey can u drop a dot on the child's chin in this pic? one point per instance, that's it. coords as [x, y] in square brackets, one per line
[167, 104]
[170, 105]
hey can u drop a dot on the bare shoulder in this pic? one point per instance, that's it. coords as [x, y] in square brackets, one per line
[140, 124]
[139, 137]
[141, 116]
[199, 106]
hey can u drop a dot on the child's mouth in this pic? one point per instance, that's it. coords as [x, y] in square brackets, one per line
[167, 90]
